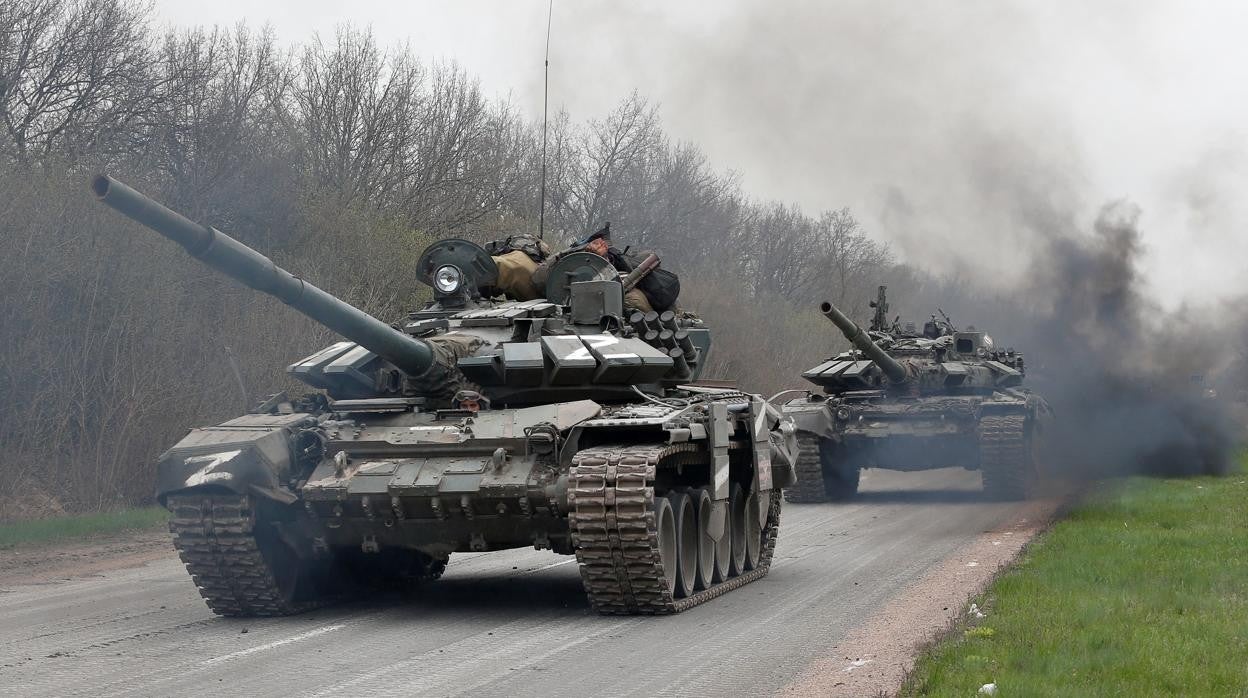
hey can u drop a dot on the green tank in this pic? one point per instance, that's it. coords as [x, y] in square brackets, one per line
[906, 400]
[474, 425]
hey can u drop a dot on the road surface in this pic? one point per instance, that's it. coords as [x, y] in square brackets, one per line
[499, 624]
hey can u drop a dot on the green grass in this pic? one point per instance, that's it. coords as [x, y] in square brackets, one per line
[72, 528]
[1142, 591]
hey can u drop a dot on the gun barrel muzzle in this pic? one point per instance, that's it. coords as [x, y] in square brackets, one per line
[892, 368]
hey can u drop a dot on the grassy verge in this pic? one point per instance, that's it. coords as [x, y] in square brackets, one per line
[1143, 590]
[70, 528]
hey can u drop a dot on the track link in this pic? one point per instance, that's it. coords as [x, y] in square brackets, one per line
[1005, 457]
[611, 494]
[215, 535]
[810, 487]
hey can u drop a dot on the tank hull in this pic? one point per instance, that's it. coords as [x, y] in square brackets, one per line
[386, 498]
[872, 429]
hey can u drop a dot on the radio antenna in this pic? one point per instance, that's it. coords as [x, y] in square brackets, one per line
[541, 216]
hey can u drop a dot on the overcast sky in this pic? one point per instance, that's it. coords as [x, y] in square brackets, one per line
[943, 126]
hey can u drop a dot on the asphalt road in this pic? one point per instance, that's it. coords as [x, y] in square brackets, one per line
[506, 624]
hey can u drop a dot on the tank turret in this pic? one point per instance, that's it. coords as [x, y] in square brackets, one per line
[894, 369]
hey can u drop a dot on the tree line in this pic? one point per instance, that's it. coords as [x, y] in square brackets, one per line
[341, 159]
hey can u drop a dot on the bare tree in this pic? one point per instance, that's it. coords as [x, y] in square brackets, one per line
[75, 76]
[608, 158]
[357, 110]
[381, 128]
[214, 128]
[848, 259]
[784, 245]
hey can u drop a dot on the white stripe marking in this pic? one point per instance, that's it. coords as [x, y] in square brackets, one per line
[553, 564]
[271, 645]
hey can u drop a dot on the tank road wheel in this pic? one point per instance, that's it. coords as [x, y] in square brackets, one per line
[723, 550]
[753, 531]
[669, 542]
[1007, 463]
[738, 511]
[685, 513]
[706, 544]
[809, 488]
[237, 559]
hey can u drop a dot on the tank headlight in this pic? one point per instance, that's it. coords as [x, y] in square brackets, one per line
[447, 279]
[843, 414]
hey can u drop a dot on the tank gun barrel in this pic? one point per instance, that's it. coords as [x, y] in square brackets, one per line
[233, 258]
[863, 342]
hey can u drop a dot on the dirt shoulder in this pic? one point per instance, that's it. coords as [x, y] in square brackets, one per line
[40, 564]
[875, 657]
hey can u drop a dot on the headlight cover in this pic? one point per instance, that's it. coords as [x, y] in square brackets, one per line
[447, 279]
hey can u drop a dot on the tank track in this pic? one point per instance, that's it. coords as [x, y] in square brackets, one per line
[215, 537]
[810, 487]
[1003, 456]
[611, 494]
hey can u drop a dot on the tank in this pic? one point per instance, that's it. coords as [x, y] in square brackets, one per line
[900, 399]
[474, 425]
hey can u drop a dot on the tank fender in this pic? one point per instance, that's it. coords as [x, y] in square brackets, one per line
[1004, 403]
[811, 416]
[247, 455]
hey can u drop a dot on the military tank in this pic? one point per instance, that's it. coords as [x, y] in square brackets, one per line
[475, 425]
[907, 400]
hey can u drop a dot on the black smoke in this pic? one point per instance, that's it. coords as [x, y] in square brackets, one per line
[1135, 388]
[1132, 383]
